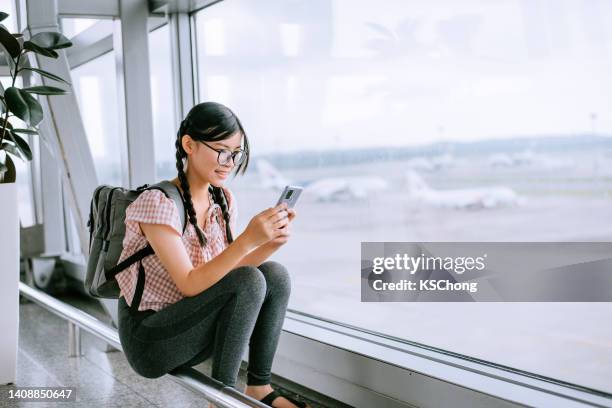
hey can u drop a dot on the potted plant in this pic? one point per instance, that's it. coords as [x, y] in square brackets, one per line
[20, 113]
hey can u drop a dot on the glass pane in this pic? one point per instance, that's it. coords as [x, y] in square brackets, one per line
[24, 191]
[95, 85]
[396, 117]
[162, 98]
[8, 6]
[73, 26]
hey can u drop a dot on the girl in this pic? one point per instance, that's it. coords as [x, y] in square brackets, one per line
[205, 293]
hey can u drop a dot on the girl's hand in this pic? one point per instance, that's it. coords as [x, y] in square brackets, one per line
[284, 237]
[267, 225]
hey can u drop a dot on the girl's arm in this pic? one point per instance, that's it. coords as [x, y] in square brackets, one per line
[189, 280]
[259, 255]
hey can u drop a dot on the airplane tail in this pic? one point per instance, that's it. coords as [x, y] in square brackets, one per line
[270, 176]
[415, 182]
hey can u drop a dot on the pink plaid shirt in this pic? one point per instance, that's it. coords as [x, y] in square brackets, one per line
[153, 207]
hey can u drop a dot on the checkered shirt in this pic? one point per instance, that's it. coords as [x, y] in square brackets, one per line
[153, 207]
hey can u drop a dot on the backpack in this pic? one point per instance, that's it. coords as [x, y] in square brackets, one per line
[106, 232]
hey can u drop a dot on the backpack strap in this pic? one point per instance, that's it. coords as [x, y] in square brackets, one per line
[171, 191]
[139, 289]
[135, 257]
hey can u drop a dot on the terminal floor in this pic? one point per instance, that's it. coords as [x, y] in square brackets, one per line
[102, 378]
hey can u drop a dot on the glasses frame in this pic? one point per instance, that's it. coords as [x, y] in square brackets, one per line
[232, 154]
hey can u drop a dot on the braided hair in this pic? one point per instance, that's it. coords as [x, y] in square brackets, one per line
[209, 122]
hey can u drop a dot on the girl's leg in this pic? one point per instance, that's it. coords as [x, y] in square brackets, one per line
[264, 340]
[220, 319]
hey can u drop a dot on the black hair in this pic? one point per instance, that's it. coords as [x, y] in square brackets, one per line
[210, 122]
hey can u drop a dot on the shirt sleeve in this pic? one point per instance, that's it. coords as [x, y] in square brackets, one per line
[152, 207]
[233, 210]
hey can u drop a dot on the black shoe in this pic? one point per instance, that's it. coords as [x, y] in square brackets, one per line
[276, 393]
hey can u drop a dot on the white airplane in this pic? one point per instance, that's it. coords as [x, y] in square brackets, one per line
[420, 164]
[442, 161]
[468, 198]
[501, 160]
[528, 158]
[431, 164]
[323, 189]
[341, 188]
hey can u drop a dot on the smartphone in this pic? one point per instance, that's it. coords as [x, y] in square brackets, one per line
[290, 195]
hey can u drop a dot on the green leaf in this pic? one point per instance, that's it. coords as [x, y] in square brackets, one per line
[26, 131]
[10, 148]
[47, 74]
[30, 46]
[7, 170]
[45, 90]
[7, 55]
[3, 15]
[24, 106]
[22, 145]
[50, 40]
[9, 42]
[19, 38]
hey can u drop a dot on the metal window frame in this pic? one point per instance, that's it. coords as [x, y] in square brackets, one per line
[131, 46]
[183, 61]
[333, 357]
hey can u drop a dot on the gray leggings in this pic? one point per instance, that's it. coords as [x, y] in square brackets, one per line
[247, 305]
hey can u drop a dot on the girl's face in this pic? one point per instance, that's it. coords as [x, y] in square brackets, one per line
[202, 159]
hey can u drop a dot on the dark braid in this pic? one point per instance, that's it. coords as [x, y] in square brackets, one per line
[180, 154]
[220, 199]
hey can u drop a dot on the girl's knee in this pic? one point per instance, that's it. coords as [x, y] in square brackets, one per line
[251, 279]
[277, 276]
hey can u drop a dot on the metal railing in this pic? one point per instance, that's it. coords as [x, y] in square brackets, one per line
[212, 390]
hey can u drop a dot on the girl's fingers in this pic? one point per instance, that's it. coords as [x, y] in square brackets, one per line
[279, 216]
[291, 213]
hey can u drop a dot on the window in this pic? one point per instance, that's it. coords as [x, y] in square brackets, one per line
[369, 105]
[8, 6]
[74, 26]
[95, 86]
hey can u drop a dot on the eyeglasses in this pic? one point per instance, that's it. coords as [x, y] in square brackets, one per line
[224, 155]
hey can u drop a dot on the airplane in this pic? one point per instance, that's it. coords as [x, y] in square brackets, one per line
[442, 161]
[420, 164]
[350, 187]
[468, 198]
[529, 158]
[431, 164]
[323, 189]
[501, 160]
